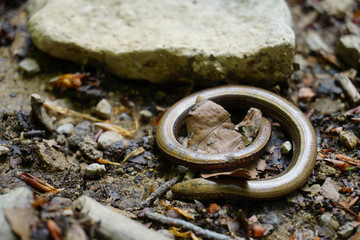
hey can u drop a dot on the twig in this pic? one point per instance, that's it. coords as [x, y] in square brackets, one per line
[186, 225]
[349, 89]
[35, 133]
[134, 153]
[158, 192]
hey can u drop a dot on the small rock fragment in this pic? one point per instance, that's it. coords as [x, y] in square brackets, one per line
[145, 115]
[306, 94]
[95, 171]
[348, 139]
[88, 149]
[326, 230]
[109, 137]
[327, 170]
[66, 129]
[29, 65]
[103, 109]
[325, 218]
[3, 150]
[348, 50]
[335, 7]
[334, 224]
[329, 190]
[286, 147]
[345, 231]
[316, 43]
[81, 130]
[327, 106]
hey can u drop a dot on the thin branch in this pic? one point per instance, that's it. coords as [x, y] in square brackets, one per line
[186, 225]
[158, 192]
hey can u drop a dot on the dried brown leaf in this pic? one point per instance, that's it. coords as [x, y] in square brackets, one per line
[54, 229]
[210, 129]
[182, 212]
[21, 221]
[248, 171]
[343, 166]
[348, 159]
[176, 232]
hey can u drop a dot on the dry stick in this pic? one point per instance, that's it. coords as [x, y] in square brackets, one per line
[186, 225]
[349, 89]
[158, 192]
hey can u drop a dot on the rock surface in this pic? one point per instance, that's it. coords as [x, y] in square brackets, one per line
[206, 40]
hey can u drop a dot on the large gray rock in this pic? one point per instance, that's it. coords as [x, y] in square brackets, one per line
[250, 41]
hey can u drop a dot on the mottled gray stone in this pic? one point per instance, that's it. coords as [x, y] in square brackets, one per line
[248, 41]
[349, 139]
[286, 147]
[66, 128]
[348, 49]
[95, 170]
[29, 65]
[110, 137]
[3, 150]
[103, 109]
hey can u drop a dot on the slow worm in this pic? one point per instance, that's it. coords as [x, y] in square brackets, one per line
[240, 97]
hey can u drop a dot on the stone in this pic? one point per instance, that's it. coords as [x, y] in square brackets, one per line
[103, 109]
[50, 159]
[325, 218]
[108, 138]
[95, 171]
[89, 149]
[3, 150]
[345, 231]
[348, 50]
[349, 139]
[286, 147]
[19, 198]
[205, 41]
[306, 94]
[66, 129]
[334, 224]
[316, 43]
[336, 7]
[328, 170]
[329, 190]
[81, 131]
[29, 65]
[145, 115]
[327, 106]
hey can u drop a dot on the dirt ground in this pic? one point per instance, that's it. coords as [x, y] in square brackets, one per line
[61, 160]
